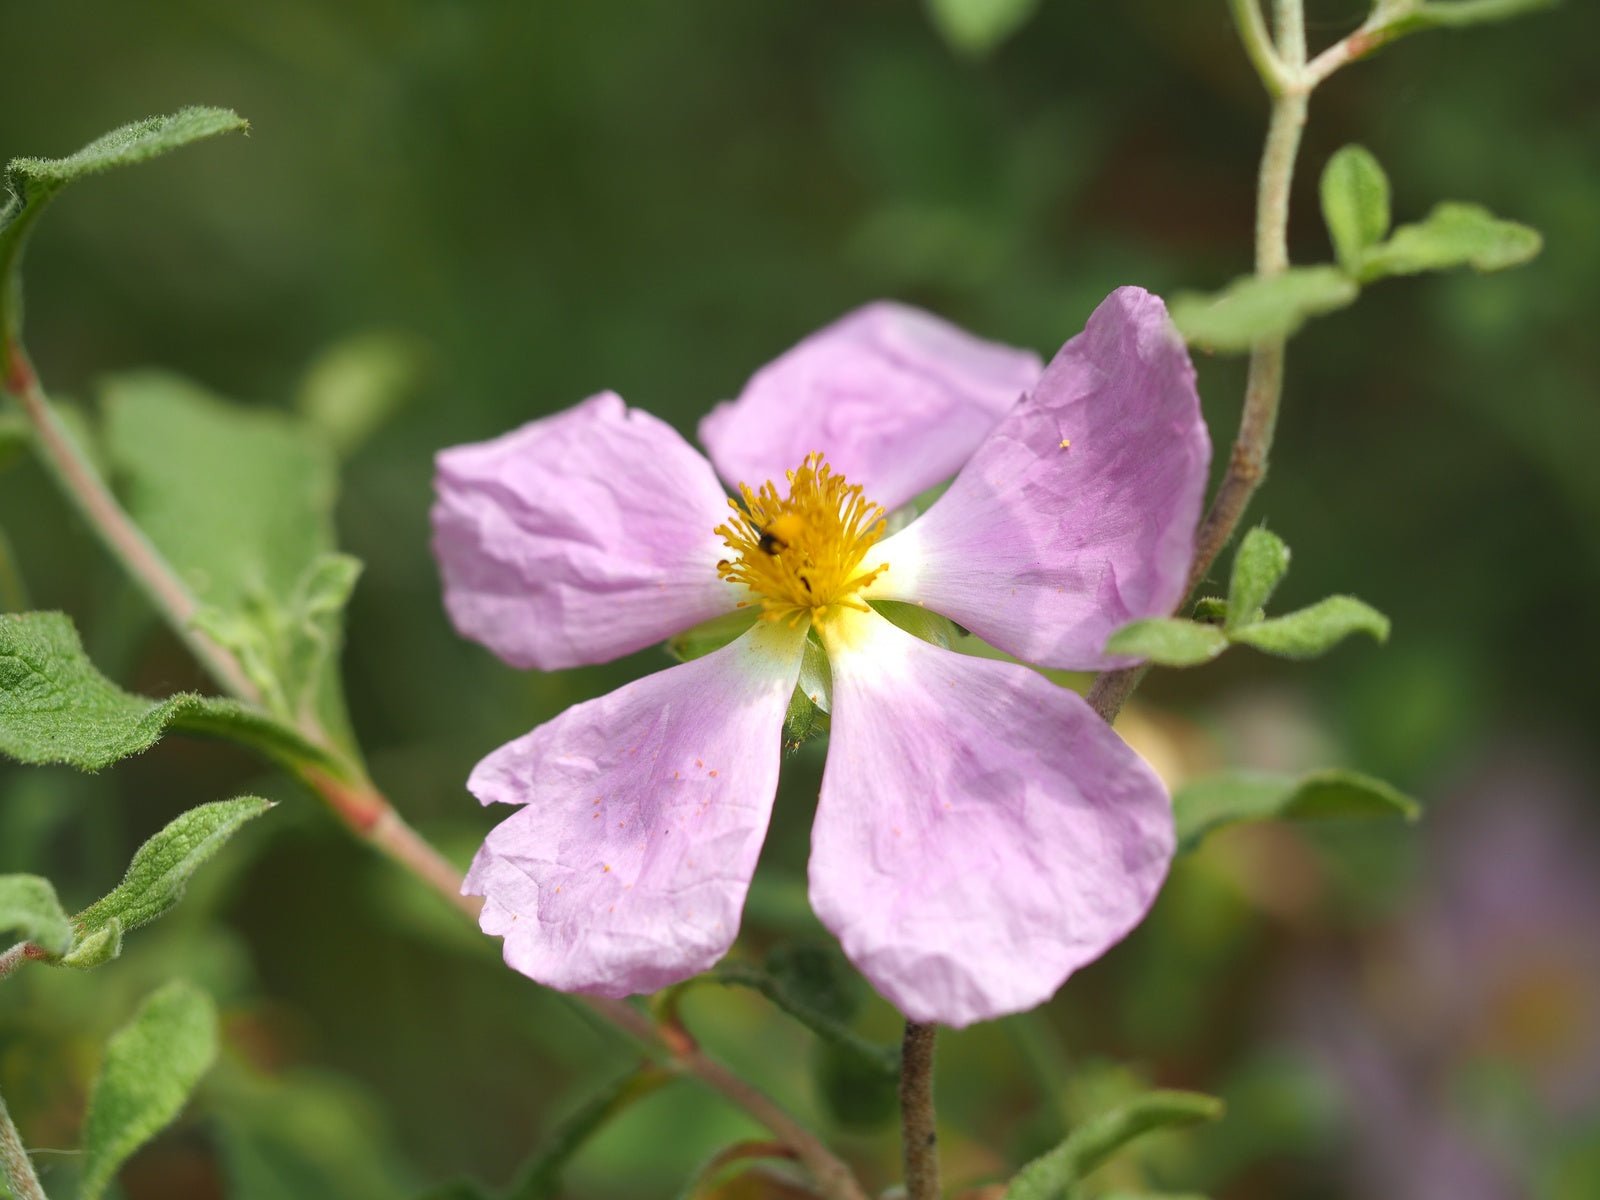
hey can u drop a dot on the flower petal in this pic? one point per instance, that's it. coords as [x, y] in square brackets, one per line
[981, 833]
[644, 812]
[895, 397]
[1078, 514]
[579, 537]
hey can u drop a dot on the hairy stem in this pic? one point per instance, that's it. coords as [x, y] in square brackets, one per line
[14, 1161]
[358, 804]
[919, 1136]
[1247, 463]
[82, 485]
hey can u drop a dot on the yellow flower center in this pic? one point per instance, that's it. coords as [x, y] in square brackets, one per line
[802, 553]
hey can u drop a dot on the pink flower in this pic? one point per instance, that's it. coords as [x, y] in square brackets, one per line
[981, 833]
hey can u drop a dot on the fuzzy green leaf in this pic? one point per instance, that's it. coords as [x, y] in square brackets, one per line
[1096, 1140]
[151, 1066]
[979, 26]
[1169, 641]
[240, 500]
[1314, 630]
[710, 635]
[1355, 205]
[132, 143]
[1209, 804]
[56, 708]
[1452, 235]
[31, 182]
[161, 868]
[1252, 308]
[97, 949]
[30, 912]
[1258, 565]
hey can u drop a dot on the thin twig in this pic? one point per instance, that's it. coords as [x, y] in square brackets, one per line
[1247, 463]
[14, 1160]
[919, 1134]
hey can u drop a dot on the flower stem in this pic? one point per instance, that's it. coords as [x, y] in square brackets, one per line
[1247, 464]
[918, 1130]
[351, 797]
[14, 1161]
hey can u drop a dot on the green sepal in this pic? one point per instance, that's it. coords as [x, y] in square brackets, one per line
[1254, 308]
[55, 707]
[1259, 565]
[918, 621]
[977, 27]
[711, 635]
[1315, 629]
[1212, 610]
[1355, 205]
[161, 868]
[151, 1066]
[1209, 804]
[1169, 641]
[1087, 1147]
[1452, 235]
[30, 912]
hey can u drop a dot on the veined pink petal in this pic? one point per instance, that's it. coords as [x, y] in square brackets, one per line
[895, 397]
[981, 833]
[644, 812]
[1078, 514]
[579, 537]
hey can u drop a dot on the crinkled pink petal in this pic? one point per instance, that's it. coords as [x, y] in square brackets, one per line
[579, 537]
[644, 812]
[893, 396]
[981, 833]
[1078, 514]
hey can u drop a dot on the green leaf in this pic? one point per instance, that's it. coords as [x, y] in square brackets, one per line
[540, 1177]
[30, 912]
[1211, 609]
[1355, 205]
[1314, 630]
[1260, 562]
[1458, 14]
[1252, 308]
[1169, 641]
[97, 949]
[979, 26]
[132, 143]
[56, 708]
[812, 983]
[161, 867]
[1208, 804]
[151, 1066]
[239, 501]
[356, 385]
[1452, 235]
[33, 181]
[857, 1092]
[1096, 1140]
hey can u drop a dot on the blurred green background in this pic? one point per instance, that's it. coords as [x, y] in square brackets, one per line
[528, 203]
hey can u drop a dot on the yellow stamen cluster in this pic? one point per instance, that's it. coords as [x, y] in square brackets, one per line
[802, 553]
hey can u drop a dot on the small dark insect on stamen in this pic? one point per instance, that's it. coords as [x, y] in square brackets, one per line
[771, 543]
